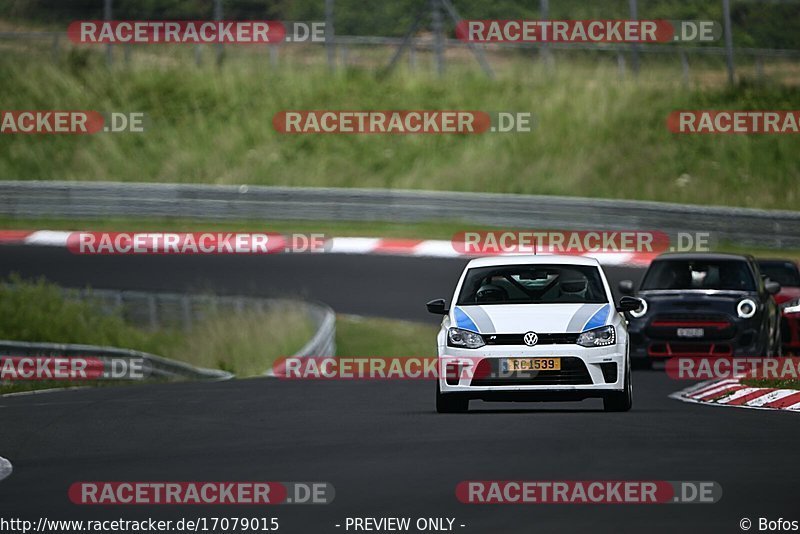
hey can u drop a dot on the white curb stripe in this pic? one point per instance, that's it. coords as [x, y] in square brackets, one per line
[5, 468]
[47, 238]
[712, 391]
[353, 245]
[700, 389]
[736, 394]
[434, 248]
[437, 249]
[771, 397]
[708, 388]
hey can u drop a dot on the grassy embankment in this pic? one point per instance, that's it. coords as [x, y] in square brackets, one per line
[596, 134]
[245, 344]
[778, 384]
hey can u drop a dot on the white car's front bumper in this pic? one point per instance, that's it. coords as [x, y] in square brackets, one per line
[582, 371]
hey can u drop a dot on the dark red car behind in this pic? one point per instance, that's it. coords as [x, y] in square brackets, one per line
[787, 274]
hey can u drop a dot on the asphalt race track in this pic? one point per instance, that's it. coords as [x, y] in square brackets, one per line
[379, 443]
[388, 286]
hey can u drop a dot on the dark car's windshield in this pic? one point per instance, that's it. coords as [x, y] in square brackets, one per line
[532, 284]
[783, 272]
[699, 274]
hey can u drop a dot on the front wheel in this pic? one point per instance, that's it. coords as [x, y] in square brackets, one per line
[621, 401]
[450, 402]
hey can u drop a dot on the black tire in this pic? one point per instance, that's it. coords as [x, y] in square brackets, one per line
[450, 402]
[622, 401]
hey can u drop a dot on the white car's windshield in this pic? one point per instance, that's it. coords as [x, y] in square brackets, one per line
[532, 284]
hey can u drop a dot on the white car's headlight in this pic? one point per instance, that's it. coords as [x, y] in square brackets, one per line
[598, 337]
[641, 311]
[793, 306]
[457, 337]
[746, 308]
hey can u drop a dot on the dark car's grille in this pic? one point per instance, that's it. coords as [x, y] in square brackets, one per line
[573, 372]
[517, 339]
[715, 326]
[671, 349]
[693, 317]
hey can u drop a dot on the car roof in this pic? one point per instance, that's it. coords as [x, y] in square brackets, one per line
[711, 256]
[776, 261]
[528, 259]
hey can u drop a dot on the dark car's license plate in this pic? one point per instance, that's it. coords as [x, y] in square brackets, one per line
[691, 332]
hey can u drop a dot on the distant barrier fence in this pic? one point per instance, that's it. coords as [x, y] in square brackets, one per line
[172, 310]
[155, 310]
[345, 49]
[750, 227]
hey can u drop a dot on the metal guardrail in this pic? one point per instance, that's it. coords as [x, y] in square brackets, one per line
[323, 343]
[43, 199]
[154, 366]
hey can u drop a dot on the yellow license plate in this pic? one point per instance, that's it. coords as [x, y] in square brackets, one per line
[533, 364]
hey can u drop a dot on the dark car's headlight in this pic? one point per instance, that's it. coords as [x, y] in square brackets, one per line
[746, 308]
[640, 311]
[793, 306]
[457, 337]
[598, 337]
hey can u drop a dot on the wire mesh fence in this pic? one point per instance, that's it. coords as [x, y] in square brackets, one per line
[157, 310]
[761, 37]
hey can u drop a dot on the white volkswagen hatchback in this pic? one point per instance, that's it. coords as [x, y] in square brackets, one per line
[533, 328]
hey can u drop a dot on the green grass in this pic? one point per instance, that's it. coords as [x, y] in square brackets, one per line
[362, 336]
[245, 344]
[778, 384]
[597, 135]
[38, 311]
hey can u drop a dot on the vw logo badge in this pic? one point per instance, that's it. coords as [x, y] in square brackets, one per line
[530, 338]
